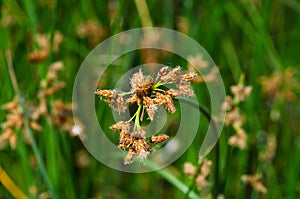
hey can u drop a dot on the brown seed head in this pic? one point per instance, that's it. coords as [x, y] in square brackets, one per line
[150, 106]
[162, 72]
[255, 181]
[239, 139]
[173, 93]
[189, 169]
[189, 76]
[240, 92]
[172, 76]
[141, 86]
[114, 100]
[121, 126]
[158, 138]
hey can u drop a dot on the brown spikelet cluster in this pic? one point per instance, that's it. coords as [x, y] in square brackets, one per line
[43, 41]
[199, 63]
[148, 94]
[114, 100]
[256, 182]
[270, 150]
[92, 30]
[60, 113]
[132, 141]
[14, 120]
[281, 85]
[158, 138]
[233, 116]
[201, 179]
[56, 111]
[62, 117]
[48, 87]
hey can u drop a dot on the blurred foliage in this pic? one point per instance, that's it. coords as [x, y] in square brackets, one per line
[259, 39]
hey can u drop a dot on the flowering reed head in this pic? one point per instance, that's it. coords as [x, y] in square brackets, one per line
[148, 94]
[201, 174]
[233, 116]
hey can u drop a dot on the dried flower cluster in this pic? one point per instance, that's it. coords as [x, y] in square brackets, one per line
[233, 115]
[48, 87]
[199, 63]
[201, 179]
[92, 30]
[43, 41]
[15, 122]
[256, 182]
[14, 119]
[281, 85]
[62, 117]
[60, 114]
[147, 93]
[270, 150]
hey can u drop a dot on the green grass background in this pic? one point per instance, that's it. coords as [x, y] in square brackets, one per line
[251, 37]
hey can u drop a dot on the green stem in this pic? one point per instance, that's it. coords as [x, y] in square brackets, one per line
[208, 116]
[144, 13]
[127, 93]
[172, 179]
[53, 25]
[217, 181]
[137, 118]
[132, 117]
[158, 84]
[158, 89]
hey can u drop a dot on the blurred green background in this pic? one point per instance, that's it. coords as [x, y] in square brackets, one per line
[260, 39]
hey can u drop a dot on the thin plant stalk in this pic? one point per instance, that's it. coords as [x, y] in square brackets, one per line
[173, 180]
[208, 116]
